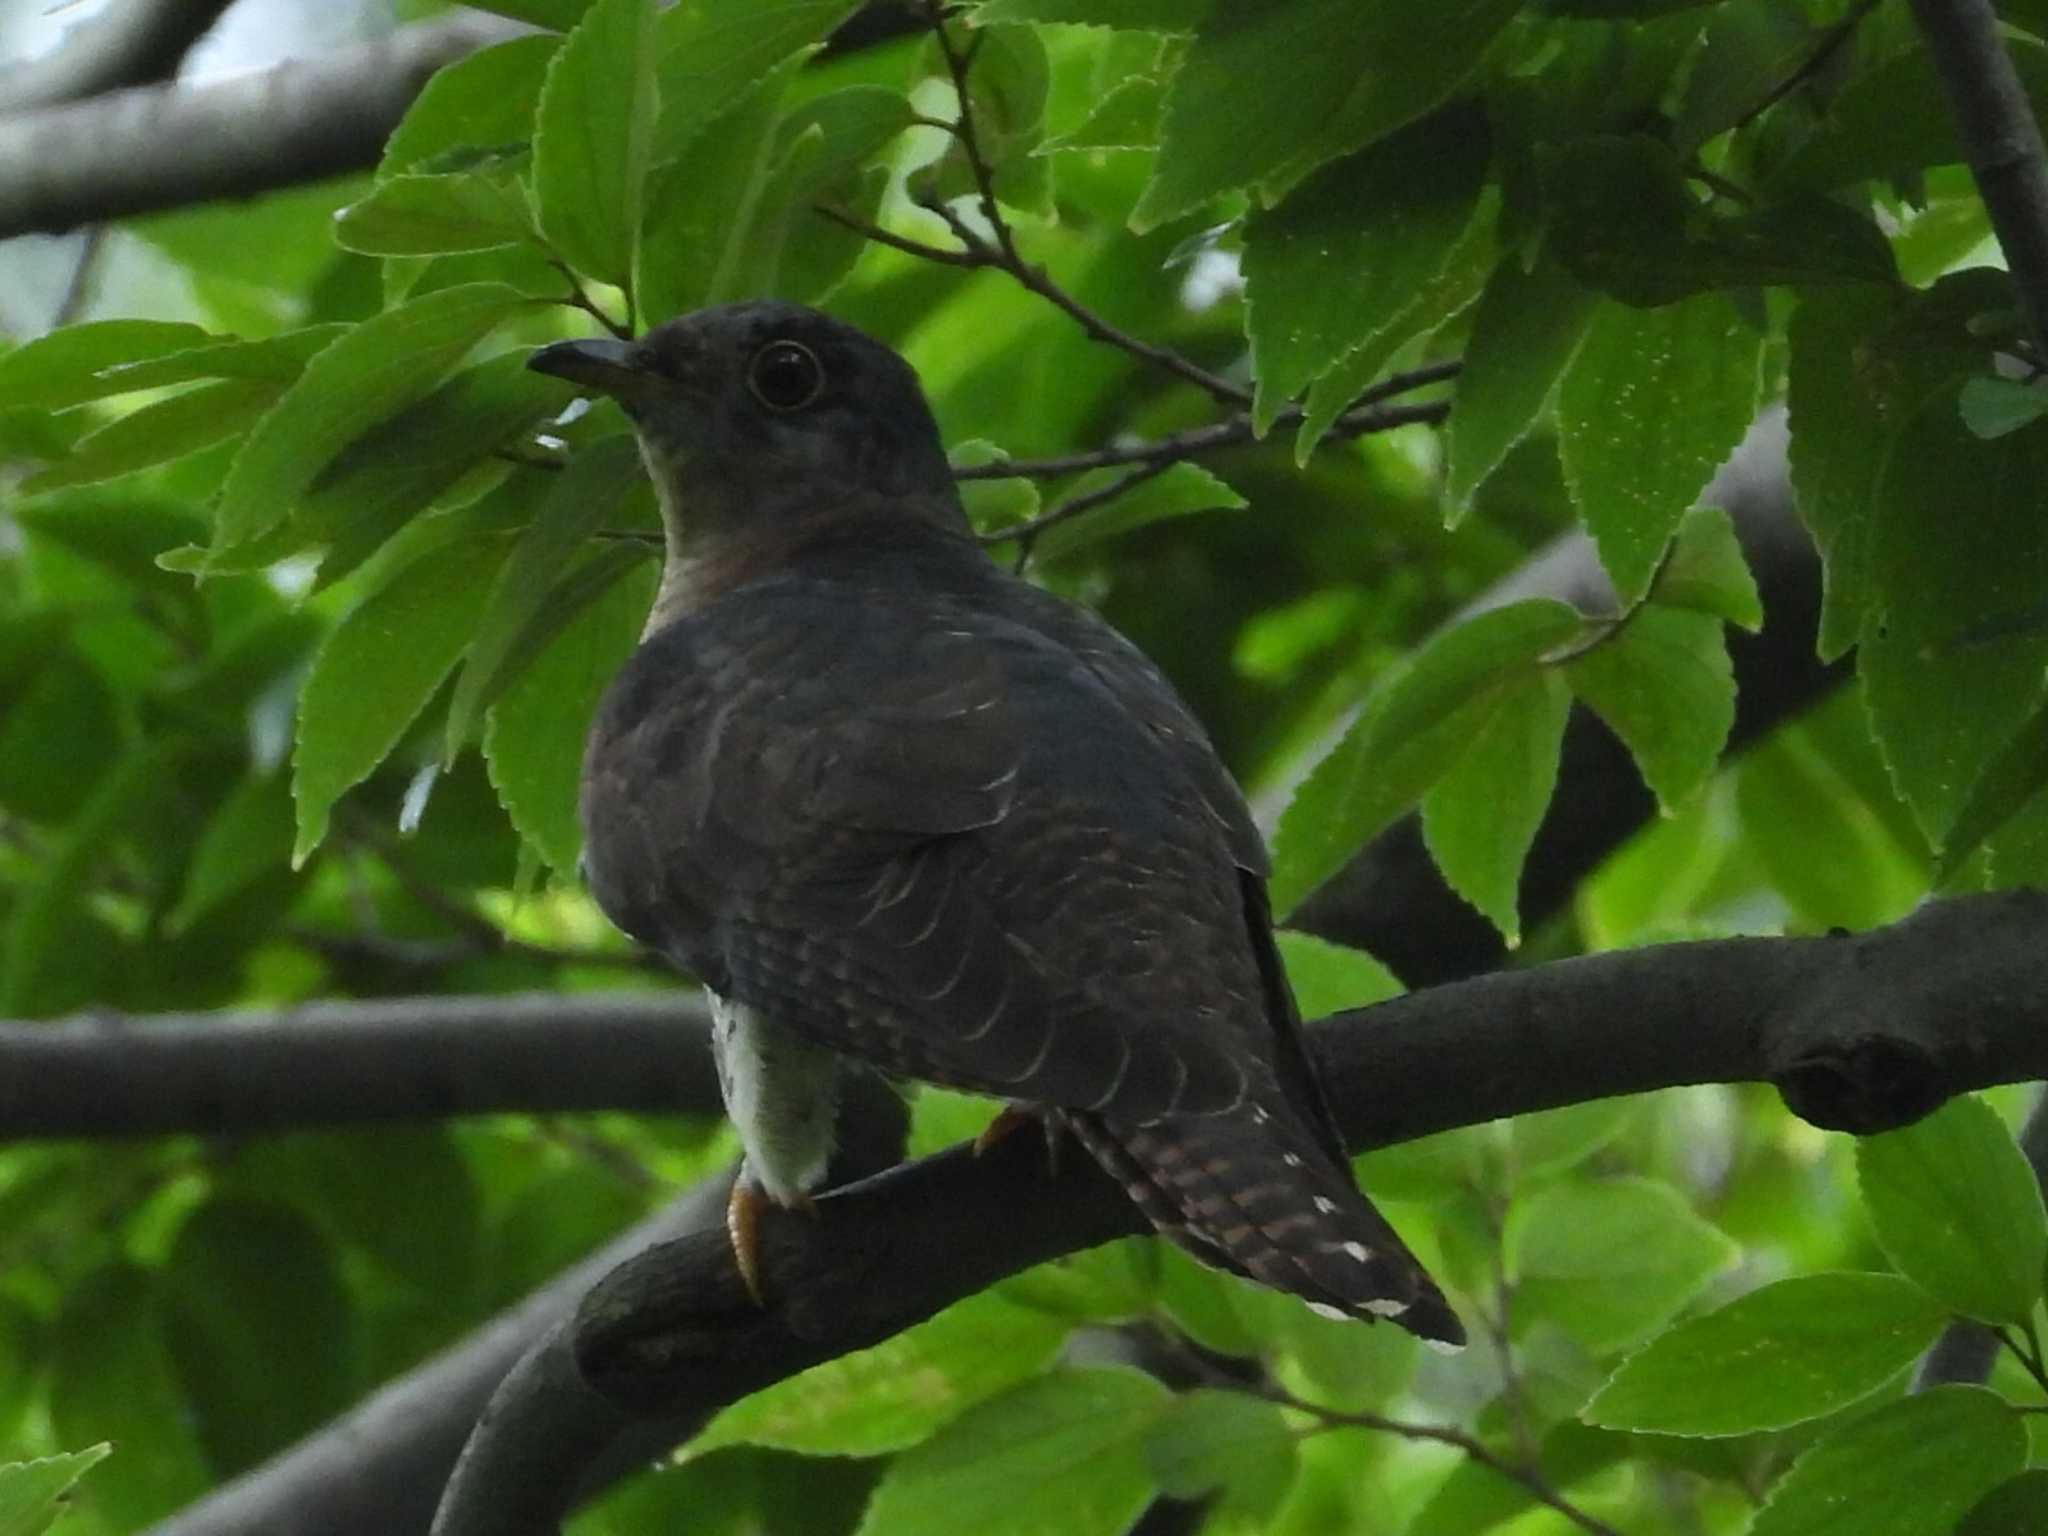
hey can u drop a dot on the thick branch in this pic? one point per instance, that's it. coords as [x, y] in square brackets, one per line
[154, 147]
[2000, 138]
[1861, 1033]
[131, 42]
[353, 1063]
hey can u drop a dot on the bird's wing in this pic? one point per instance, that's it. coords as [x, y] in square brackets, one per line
[931, 838]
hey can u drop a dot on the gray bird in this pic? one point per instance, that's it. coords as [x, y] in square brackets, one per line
[889, 802]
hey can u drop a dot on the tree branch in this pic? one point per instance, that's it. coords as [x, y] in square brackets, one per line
[131, 42]
[1860, 1032]
[2000, 138]
[355, 1063]
[155, 147]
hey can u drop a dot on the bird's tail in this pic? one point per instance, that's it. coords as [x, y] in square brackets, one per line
[1252, 1192]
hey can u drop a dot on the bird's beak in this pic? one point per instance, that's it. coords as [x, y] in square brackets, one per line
[609, 367]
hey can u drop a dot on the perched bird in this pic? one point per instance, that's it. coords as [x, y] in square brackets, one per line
[890, 802]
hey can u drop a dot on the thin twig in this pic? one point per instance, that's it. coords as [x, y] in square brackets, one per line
[1814, 62]
[78, 287]
[578, 298]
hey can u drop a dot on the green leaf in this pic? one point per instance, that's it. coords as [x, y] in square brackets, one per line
[1957, 1208]
[2016, 1507]
[32, 1492]
[2007, 785]
[1480, 818]
[528, 602]
[376, 671]
[1228, 1442]
[474, 109]
[1063, 1451]
[714, 52]
[1652, 403]
[1127, 117]
[374, 371]
[559, 14]
[1912, 1468]
[1328, 978]
[593, 139]
[1413, 727]
[1864, 361]
[368, 491]
[992, 504]
[1176, 492]
[63, 368]
[900, 1392]
[534, 733]
[1138, 15]
[282, 358]
[1322, 279]
[1273, 88]
[1475, 1498]
[1705, 572]
[260, 1327]
[1621, 215]
[1525, 332]
[111, 1379]
[1993, 407]
[1609, 1261]
[1006, 89]
[1553, 1140]
[1665, 685]
[1793, 1351]
[161, 431]
[248, 837]
[1943, 705]
[427, 215]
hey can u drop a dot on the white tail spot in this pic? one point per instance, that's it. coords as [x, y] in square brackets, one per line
[1358, 1251]
[1386, 1306]
[1445, 1346]
[1326, 1205]
[1290, 1159]
[1324, 1309]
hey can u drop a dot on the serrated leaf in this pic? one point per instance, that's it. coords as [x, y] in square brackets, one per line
[1943, 706]
[2010, 782]
[477, 106]
[160, 432]
[534, 733]
[1349, 249]
[1705, 572]
[63, 368]
[1525, 332]
[1609, 1261]
[899, 1393]
[713, 52]
[260, 1326]
[593, 139]
[584, 496]
[429, 215]
[1412, 728]
[1480, 818]
[32, 1492]
[1176, 492]
[1665, 686]
[1796, 1350]
[374, 371]
[1007, 87]
[1271, 88]
[248, 837]
[1651, 403]
[376, 671]
[1328, 978]
[366, 493]
[1127, 117]
[1063, 1451]
[1956, 1207]
[1911, 1468]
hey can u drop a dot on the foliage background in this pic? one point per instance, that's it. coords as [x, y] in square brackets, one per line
[307, 590]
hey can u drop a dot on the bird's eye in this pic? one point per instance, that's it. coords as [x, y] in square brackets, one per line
[786, 376]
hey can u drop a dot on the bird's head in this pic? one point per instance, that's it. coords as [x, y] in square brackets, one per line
[760, 416]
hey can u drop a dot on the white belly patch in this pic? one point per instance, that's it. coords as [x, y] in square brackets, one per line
[782, 1094]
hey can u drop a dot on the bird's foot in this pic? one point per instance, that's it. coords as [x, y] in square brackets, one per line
[743, 1208]
[1013, 1117]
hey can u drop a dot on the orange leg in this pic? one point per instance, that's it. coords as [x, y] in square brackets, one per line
[743, 1208]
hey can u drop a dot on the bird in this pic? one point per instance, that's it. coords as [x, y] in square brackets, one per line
[894, 805]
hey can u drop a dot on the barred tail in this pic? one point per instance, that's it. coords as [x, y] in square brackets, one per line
[1251, 1192]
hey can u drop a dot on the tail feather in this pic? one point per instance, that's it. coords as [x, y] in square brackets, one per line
[1254, 1193]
